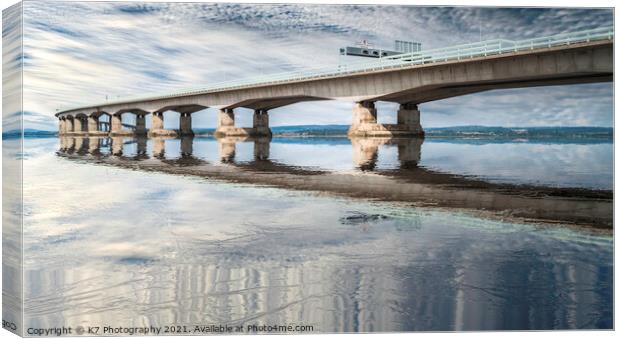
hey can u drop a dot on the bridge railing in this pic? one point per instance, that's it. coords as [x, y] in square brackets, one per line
[459, 52]
[466, 51]
[500, 46]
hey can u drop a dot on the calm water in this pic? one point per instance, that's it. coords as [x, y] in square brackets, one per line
[106, 245]
[551, 164]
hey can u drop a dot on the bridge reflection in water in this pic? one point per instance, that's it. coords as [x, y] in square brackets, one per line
[404, 182]
[365, 150]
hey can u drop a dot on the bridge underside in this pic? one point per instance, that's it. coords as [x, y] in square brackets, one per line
[439, 92]
[410, 86]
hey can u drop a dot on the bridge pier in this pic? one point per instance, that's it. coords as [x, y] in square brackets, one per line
[226, 125]
[78, 125]
[116, 128]
[365, 122]
[157, 122]
[84, 130]
[157, 126]
[364, 119]
[409, 118]
[92, 126]
[116, 124]
[185, 125]
[364, 113]
[260, 123]
[69, 125]
[62, 126]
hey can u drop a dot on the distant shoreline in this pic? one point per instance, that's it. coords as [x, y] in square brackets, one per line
[459, 133]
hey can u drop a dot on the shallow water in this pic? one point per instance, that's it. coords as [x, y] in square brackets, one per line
[110, 246]
[550, 163]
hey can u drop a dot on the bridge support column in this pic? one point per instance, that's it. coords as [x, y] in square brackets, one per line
[365, 122]
[93, 124]
[66, 126]
[140, 125]
[364, 113]
[116, 124]
[185, 127]
[85, 125]
[61, 126]
[261, 123]
[157, 126]
[409, 119]
[225, 123]
[69, 125]
[77, 125]
[157, 122]
[364, 119]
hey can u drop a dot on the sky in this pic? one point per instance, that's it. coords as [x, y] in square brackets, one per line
[85, 52]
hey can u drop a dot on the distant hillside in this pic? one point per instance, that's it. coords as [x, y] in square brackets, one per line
[311, 130]
[461, 132]
[520, 132]
[28, 133]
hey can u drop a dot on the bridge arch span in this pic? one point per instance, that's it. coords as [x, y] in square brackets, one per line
[185, 119]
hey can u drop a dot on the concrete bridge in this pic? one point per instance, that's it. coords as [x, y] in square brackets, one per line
[407, 79]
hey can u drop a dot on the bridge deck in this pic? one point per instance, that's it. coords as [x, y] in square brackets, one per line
[487, 48]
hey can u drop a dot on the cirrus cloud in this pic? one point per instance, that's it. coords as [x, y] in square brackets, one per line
[81, 52]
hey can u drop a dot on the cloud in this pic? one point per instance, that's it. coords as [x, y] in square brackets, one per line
[11, 68]
[571, 105]
[79, 53]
